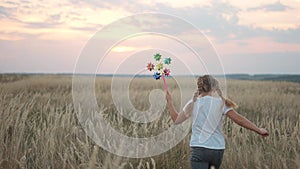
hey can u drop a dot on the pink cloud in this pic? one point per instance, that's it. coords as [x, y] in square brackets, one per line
[255, 45]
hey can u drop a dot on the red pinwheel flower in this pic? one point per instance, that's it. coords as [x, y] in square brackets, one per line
[150, 66]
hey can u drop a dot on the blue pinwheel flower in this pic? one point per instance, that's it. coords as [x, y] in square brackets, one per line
[157, 75]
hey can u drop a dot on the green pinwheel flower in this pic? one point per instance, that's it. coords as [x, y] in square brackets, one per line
[167, 61]
[157, 56]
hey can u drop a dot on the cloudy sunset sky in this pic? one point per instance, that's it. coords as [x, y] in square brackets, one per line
[253, 37]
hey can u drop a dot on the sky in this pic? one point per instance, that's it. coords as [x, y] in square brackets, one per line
[251, 37]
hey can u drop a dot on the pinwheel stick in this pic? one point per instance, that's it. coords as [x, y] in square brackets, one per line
[165, 83]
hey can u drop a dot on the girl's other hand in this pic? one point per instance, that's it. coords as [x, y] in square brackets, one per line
[263, 132]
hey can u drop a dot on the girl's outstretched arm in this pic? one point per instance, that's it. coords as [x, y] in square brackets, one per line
[244, 122]
[176, 117]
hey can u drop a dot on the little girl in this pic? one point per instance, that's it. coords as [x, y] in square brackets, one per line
[207, 140]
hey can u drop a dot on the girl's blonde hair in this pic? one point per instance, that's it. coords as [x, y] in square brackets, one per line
[207, 83]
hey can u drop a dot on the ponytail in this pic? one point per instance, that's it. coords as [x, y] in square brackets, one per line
[228, 102]
[200, 88]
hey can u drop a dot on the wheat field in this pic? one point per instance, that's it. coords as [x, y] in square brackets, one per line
[39, 129]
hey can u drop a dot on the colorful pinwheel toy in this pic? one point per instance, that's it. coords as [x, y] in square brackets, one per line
[159, 70]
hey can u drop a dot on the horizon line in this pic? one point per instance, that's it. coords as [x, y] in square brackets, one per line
[111, 74]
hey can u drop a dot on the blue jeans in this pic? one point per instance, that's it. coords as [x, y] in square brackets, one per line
[204, 158]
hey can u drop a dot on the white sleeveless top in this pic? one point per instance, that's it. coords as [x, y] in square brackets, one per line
[207, 117]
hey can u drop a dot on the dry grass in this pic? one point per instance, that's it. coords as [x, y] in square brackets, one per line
[39, 129]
